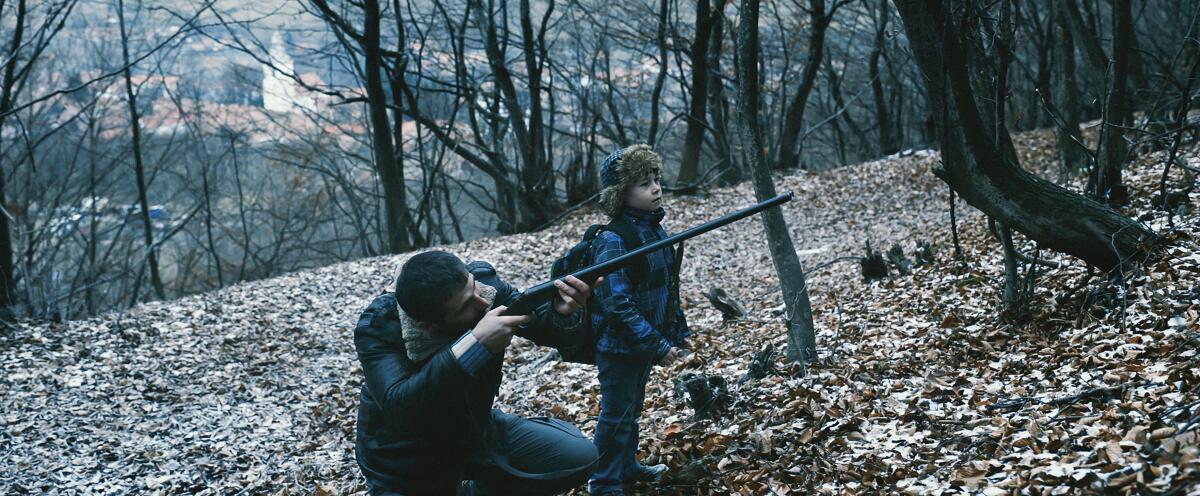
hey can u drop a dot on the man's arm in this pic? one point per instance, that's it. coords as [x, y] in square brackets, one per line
[403, 388]
[548, 327]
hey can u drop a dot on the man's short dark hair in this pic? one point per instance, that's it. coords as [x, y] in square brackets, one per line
[427, 281]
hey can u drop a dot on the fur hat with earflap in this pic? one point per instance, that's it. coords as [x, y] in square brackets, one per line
[622, 169]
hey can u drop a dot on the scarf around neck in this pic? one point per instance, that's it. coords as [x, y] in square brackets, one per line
[419, 344]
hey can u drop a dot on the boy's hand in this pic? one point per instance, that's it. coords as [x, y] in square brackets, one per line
[670, 358]
[572, 294]
[494, 331]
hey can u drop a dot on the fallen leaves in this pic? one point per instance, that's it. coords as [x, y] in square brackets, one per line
[918, 387]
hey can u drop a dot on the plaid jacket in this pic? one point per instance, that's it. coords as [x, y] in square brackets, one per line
[630, 318]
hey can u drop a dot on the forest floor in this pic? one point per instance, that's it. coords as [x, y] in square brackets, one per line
[919, 386]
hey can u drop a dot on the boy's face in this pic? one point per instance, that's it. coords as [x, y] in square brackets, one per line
[646, 194]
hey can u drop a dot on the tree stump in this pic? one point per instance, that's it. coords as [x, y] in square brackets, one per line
[729, 307]
[873, 265]
[762, 365]
[924, 255]
[896, 258]
[707, 395]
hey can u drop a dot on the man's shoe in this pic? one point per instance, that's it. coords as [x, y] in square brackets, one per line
[647, 473]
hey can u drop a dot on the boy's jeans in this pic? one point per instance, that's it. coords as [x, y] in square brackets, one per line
[622, 392]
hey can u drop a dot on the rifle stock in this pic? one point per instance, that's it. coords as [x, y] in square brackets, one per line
[532, 298]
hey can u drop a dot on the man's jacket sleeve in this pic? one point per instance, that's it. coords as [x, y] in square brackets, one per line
[395, 381]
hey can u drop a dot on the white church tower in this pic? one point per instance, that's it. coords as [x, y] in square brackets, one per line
[280, 92]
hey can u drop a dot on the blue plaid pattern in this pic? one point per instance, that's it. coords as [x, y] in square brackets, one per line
[610, 174]
[630, 318]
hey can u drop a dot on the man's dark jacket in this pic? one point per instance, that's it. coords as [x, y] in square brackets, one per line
[420, 422]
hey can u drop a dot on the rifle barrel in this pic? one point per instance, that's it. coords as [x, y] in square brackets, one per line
[531, 298]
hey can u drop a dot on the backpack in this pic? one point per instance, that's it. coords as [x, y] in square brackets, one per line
[580, 256]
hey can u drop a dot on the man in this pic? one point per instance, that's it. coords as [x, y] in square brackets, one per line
[431, 353]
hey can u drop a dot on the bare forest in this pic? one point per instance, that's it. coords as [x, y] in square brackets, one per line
[989, 280]
[156, 150]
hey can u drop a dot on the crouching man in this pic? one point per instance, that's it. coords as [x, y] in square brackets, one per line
[431, 353]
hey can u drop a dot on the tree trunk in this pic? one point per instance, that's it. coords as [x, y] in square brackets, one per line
[990, 179]
[395, 193]
[8, 288]
[834, 80]
[888, 142]
[1106, 177]
[1083, 36]
[718, 105]
[689, 164]
[801, 338]
[139, 166]
[660, 80]
[788, 156]
[1066, 96]
[537, 195]
[537, 173]
[208, 225]
[395, 76]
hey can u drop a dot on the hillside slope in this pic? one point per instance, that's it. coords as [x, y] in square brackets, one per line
[918, 387]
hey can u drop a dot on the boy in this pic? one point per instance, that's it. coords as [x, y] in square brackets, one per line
[637, 321]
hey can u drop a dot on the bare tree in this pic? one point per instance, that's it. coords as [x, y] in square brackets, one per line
[389, 169]
[1066, 96]
[663, 66]
[889, 143]
[1105, 181]
[991, 179]
[689, 165]
[801, 337]
[787, 156]
[139, 167]
[24, 49]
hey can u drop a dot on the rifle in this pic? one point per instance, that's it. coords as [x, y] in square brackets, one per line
[532, 298]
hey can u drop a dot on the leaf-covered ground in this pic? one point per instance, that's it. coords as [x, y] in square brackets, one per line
[919, 387]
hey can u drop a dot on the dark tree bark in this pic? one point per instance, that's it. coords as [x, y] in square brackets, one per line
[718, 105]
[537, 178]
[208, 226]
[991, 179]
[388, 169]
[1066, 96]
[537, 173]
[395, 74]
[841, 107]
[663, 65]
[8, 288]
[787, 155]
[1105, 181]
[139, 166]
[888, 139]
[391, 176]
[1083, 36]
[801, 338]
[689, 164]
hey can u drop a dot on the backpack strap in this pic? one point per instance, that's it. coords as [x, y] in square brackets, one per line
[592, 231]
[632, 241]
[673, 287]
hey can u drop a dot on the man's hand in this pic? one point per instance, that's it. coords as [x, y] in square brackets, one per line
[495, 331]
[572, 294]
[671, 357]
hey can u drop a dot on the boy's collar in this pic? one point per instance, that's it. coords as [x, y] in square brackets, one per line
[645, 216]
